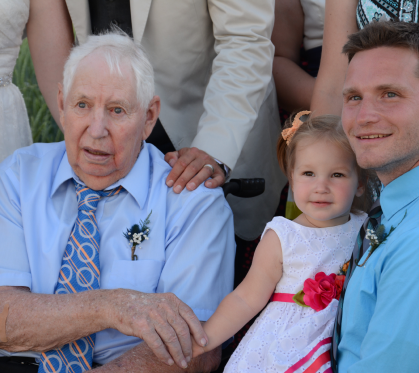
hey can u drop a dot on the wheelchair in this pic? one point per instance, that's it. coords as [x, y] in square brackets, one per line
[244, 188]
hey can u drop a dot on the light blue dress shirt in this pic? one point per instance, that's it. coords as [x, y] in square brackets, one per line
[190, 251]
[380, 321]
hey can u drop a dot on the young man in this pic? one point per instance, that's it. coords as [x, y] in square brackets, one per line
[378, 330]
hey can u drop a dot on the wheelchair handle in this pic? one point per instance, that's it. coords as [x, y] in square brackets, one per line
[244, 188]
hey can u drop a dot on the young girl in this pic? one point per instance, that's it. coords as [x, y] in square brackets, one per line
[293, 333]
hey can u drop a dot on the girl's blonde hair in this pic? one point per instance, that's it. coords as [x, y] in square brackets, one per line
[324, 127]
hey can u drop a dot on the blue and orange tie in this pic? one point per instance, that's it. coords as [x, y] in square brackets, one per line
[80, 271]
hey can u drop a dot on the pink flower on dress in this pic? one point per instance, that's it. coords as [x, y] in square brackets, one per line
[318, 293]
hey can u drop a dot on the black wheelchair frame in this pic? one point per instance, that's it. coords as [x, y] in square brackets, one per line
[244, 188]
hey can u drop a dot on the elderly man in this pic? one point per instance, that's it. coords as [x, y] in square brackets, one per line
[378, 329]
[213, 64]
[91, 234]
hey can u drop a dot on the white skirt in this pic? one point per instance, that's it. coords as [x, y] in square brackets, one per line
[15, 132]
[286, 338]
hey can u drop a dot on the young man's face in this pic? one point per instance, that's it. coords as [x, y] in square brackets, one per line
[381, 110]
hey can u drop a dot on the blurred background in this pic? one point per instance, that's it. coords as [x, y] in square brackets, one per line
[44, 128]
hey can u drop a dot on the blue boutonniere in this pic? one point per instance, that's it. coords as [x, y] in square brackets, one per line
[137, 234]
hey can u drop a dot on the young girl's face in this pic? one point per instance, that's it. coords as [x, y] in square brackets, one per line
[324, 181]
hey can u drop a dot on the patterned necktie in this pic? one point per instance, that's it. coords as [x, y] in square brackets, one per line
[80, 271]
[361, 245]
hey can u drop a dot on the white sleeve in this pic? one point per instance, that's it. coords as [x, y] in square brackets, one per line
[241, 72]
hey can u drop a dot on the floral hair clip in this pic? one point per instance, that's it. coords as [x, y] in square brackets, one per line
[288, 133]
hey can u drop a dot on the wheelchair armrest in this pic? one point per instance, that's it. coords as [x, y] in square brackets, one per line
[244, 188]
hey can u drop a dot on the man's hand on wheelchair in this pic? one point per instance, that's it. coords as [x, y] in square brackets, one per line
[191, 167]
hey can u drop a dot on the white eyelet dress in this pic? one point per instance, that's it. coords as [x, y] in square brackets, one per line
[287, 337]
[14, 124]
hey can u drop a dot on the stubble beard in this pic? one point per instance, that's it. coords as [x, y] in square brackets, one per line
[388, 170]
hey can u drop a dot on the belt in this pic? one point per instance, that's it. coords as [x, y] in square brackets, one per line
[24, 360]
[282, 297]
[6, 80]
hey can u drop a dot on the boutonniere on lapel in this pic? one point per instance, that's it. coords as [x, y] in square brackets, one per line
[377, 237]
[137, 234]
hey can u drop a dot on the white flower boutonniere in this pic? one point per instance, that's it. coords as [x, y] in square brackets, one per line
[137, 234]
[376, 238]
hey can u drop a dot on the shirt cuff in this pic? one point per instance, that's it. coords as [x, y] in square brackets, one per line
[224, 167]
[12, 278]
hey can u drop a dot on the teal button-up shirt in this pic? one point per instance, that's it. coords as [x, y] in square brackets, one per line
[380, 322]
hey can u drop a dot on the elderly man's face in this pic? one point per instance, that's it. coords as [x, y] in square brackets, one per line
[103, 122]
[381, 110]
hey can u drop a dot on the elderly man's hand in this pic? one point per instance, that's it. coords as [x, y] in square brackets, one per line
[197, 350]
[188, 170]
[164, 322]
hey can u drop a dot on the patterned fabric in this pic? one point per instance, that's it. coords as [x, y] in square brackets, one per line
[376, 10]
[286, 334]
[80, 271]
[361, 245]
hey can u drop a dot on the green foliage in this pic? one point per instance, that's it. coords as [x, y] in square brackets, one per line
[381, 233]
[299, 298]
[44, 128]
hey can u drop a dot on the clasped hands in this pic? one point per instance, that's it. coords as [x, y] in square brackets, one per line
[165, 323]
[189, 170]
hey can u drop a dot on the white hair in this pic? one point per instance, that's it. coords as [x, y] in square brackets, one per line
[115, 46]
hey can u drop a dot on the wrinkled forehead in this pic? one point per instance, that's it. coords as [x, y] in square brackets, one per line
[95, 74]
[100, 62]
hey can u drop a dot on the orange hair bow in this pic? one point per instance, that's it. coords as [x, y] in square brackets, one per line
[288, 133]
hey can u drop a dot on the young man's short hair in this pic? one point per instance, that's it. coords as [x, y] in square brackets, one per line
[394, 34]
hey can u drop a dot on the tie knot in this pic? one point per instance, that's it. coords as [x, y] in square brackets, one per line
[88, 199]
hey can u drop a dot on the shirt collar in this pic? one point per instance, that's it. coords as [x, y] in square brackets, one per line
[136, 183]
[400, 193]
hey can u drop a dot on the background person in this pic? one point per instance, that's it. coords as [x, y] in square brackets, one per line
[297, 23]
[67, 209]
[50, 36]
[342, 19]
